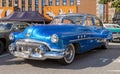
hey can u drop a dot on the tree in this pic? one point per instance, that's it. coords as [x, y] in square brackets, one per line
[105, 3]
[116, 4]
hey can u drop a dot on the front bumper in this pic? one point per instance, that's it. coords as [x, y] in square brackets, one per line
[34, 50]
[36, 56]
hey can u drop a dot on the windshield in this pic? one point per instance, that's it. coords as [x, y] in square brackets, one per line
[112, 26]
[68, 20]
[5, 26]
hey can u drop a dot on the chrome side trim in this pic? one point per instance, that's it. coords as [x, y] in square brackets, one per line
[84, 39]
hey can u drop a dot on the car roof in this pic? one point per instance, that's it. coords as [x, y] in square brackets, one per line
[109, 24]
[80, 14]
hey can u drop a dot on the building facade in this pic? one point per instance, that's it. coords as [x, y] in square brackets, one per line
[82, 6]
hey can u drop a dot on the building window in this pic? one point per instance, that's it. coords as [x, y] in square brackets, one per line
[78, 2]
[71, 2]
[23, 5]
[64, 2]
[36, 5]
[57, 2]
[29, 5]
[43, 4]
[50, 2]
[16, 3]
[3, 3]
[10, 3]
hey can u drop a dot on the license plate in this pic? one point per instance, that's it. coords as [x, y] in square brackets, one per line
[20, 54]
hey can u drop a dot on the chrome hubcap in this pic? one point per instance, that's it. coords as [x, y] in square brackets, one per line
[69, 54]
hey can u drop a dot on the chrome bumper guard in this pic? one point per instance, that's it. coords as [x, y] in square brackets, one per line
[34, 50]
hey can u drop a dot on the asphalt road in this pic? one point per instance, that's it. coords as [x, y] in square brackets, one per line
[93, 62]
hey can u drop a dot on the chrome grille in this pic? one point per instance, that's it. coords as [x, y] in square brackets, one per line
[26, 46]
[30, 44]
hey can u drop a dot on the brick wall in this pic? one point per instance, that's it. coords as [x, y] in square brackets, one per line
[86, 6]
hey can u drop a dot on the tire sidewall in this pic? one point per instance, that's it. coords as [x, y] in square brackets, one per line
[73, 50]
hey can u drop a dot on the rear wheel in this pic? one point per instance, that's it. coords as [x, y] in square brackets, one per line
[1, 47]
[69, 55]
[106, 45]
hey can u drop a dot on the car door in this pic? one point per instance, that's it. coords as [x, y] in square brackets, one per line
[98, 28]
[89, 39]
[99, 31]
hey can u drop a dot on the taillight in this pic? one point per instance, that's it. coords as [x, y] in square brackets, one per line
[114, 32]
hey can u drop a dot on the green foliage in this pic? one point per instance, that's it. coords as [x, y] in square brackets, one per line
[116, 4]
[104, 1]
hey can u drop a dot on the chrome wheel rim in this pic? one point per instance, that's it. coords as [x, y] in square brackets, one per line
[69, 54]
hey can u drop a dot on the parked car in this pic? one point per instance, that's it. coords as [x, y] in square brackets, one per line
[62, 39]
[115, 29]
[116, 18]
[5, 29]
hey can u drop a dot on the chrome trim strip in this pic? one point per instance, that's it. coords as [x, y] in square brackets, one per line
[84, 39]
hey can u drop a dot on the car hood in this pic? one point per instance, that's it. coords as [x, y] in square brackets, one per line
[114, 29]
[45, 32]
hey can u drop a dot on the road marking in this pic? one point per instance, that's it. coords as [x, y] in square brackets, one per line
[104, 59]
[4, 55]
[112, 60]
[114, 70]
[116, 60]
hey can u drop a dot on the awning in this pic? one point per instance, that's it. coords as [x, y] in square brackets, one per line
[27, 16]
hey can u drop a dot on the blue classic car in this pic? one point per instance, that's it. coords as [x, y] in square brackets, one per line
[65, 36]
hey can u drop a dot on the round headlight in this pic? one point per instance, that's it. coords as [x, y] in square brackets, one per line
[11, 36]
[54, 38]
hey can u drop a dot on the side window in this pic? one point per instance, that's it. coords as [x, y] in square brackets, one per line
[23, 26]
[88, 22]
[98, 22]
[18, 26]
[73, 20]
[67, 21]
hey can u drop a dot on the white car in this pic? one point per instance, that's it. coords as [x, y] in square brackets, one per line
[115, 29]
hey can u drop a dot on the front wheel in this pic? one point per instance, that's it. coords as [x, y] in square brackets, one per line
[69, 55]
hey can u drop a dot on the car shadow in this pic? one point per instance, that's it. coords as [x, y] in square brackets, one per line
[94, 58]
